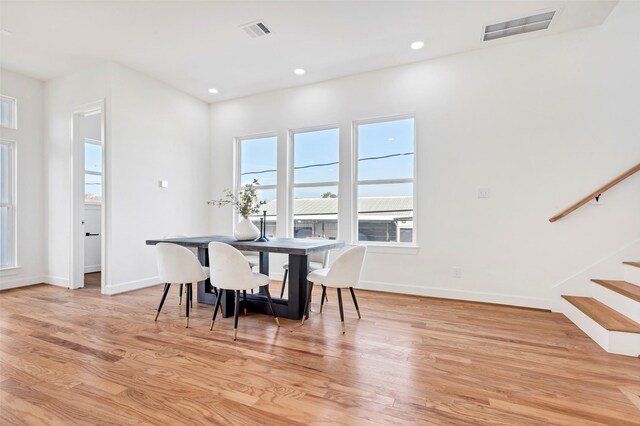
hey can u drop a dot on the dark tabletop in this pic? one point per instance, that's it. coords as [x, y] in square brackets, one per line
[297, 246]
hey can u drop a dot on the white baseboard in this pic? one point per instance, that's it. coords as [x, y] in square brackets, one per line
[6, 284]
[93, 268]
[445, 293]
[59, 281]
[132, 285]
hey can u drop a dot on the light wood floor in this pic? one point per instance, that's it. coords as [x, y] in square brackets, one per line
[76, 357]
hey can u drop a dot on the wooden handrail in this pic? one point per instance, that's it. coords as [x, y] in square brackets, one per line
[596, 193]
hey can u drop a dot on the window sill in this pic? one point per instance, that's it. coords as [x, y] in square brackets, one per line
[391, 248]
[10, 270]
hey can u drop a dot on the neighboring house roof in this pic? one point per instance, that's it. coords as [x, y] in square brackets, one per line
[383, 206]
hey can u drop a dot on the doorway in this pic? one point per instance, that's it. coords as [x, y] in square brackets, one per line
[88, 204]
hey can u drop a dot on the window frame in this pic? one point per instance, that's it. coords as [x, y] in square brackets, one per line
[291, 185]
[14, 112]
[12, 205]
[237, 164]
[356, 182]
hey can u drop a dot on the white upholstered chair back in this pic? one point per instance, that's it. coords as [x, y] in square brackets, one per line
[177, 264]
[345, 271]
[228, 268]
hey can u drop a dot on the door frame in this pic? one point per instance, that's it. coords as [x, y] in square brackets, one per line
[76, 267]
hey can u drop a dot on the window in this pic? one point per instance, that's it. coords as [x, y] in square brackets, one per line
[385, 180]
[258, 160]
[315, 183]
[8, 112]
[7, 204]
[92, 171]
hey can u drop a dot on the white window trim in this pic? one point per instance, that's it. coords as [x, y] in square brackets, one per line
[237, 169]
[355, 182]
[291, 174]
[14, 112]
[12, 205]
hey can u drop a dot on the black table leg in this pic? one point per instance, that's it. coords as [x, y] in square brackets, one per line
[205, 289]
[264, 262]
[298, 271]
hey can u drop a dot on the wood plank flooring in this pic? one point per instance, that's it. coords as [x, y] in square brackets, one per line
[77, 357]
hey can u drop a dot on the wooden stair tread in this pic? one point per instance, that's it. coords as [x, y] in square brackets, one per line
[636, 264]
[608, 318]
[624, 288]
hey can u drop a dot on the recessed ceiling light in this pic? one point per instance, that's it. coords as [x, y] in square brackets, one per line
[417, 45]
[299, 71]
[213, 90]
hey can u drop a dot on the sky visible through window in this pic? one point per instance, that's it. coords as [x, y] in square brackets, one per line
[92, 157]
[92, 182]
[385, 151]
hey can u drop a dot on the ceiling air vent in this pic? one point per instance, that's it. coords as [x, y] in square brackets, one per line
[256, 29]
[540, 21]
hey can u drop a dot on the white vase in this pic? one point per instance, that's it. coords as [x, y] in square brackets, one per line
[246, 230]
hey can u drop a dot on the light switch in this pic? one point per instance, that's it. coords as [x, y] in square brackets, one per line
[484, 193]
[164, 183]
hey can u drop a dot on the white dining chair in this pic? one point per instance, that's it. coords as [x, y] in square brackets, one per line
[229, 272]
[344, 273]
[318, 260]
[251, 257]
[178, 265]
[193, 249]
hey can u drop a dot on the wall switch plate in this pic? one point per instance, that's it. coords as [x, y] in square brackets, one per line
[457, 272]
[163, 184]
[484, 192]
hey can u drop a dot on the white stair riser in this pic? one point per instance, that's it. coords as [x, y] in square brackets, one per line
[632, 274]
[611, 341]
[616, 301]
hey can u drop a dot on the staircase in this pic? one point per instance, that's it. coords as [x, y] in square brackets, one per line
[611, 316]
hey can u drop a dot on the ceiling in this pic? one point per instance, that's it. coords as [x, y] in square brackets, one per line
[196, 45]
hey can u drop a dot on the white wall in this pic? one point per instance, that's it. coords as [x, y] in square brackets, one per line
[157, 133]
[152, 132]
[30, 194]
[63, 96]
[542, 123]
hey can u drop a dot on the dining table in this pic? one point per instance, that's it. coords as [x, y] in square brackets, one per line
[298, 251]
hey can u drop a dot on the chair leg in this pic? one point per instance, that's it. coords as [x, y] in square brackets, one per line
[244, 301]
[273, 310]
[307, 306]
[324, 296]
[191, 295]
[355, 302]
[341, 310]
[164, 296]
[235, 316]
[179, 304]
[215, 309]
[188, 305]
[284, 283]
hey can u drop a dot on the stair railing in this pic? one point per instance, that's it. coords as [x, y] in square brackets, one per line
[595, 194]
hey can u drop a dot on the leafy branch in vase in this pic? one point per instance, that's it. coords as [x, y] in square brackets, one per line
[245, 203]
